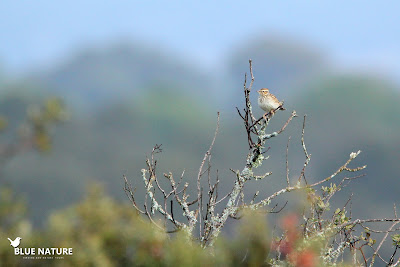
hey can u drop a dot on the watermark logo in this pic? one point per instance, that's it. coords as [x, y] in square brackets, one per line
[16, 242]
[39, 252]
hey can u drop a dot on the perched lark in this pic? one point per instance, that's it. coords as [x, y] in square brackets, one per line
[267, 101]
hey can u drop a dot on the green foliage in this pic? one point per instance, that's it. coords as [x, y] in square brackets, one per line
[104, 232]
[13, 223]
[252, 243]
[35, 129]
[396, 240]
[340, 216]
[12, 208]
[41, 119]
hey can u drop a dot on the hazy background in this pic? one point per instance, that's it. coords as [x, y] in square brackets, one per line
[136, 73]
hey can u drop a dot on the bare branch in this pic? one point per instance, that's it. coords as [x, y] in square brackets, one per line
[287, 162]
[131, 194]
[308, 157]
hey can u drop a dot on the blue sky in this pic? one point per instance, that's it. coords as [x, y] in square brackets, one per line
[354, 34]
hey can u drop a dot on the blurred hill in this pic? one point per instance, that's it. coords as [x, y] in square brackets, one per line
[99, 75]
[125, 98]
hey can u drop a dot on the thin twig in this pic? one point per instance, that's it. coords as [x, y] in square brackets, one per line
[287, 162]
[308, 157]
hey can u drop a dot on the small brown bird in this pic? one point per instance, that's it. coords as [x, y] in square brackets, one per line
[267, 101]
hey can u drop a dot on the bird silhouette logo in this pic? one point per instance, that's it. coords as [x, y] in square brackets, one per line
[16, 242]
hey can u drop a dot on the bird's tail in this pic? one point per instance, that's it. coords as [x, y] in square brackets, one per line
[9, 239]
